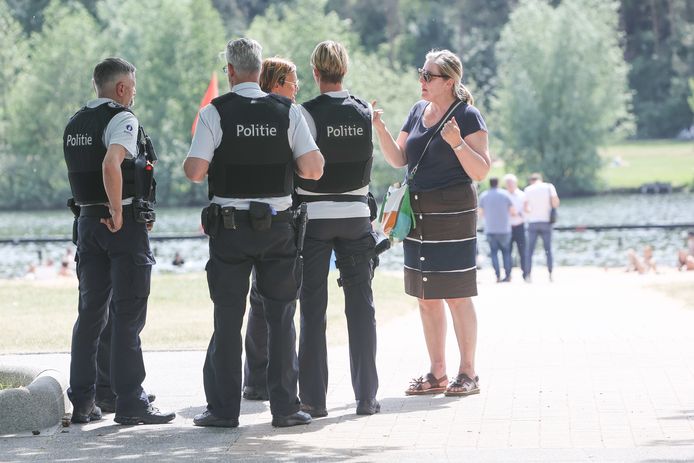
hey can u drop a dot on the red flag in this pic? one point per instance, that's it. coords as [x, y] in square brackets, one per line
[211, 92]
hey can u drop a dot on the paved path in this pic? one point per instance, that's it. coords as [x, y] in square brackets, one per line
[593, 367]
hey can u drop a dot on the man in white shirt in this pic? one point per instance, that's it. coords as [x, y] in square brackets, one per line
[518, 235]
[248, 144]
[540, 199]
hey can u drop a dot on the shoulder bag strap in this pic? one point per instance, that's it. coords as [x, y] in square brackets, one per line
[453, 107]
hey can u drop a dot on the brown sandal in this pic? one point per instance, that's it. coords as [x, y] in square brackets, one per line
[435, 385]
[465, 384]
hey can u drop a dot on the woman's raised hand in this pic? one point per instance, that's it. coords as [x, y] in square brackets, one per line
[451, 133]
[377, 120]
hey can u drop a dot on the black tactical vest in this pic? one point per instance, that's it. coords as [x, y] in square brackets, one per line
[85, 151]
[254, 159]
[343, 135]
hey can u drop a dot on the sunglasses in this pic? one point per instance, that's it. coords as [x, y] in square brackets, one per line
[428, 76]
[295, 84]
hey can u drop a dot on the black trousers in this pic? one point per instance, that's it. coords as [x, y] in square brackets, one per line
[273, 255]
[255, 341]
[348, 237]
[112, 268]
[103, 360]
[518, 237]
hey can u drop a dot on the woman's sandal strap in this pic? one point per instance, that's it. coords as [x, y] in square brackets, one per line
[417, 384]
[462, 380]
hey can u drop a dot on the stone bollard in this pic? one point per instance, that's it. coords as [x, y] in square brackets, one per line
[40, 403]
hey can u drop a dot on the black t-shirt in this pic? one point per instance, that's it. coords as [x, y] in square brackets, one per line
[440, 167]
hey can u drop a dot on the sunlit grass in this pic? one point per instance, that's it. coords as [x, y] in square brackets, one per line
[648, 161]
[38, 316]
[630, 164]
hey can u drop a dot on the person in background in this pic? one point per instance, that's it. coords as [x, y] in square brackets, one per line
[540, 198]
[518, 234]
[496, 208]
[278, 76]
[685, 257]
[635, 264]
[178, 260]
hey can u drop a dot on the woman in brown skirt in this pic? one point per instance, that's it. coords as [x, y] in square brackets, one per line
[440, 251]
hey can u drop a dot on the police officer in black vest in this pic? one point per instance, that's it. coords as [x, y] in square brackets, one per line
[249, 144]
[339, 219]
[112, 184]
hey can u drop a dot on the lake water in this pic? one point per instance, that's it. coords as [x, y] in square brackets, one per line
[605, 248]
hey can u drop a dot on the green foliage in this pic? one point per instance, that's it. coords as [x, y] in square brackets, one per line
[562, 89]
[13, 60]
[294, 31]
[691, 97]
[660, 49]
[174, 46]
[559, 56]
[46, 94]
[175, 55]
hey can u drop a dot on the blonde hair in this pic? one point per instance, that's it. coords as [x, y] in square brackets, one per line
[330, 59]
[274, 72]
[451, 67]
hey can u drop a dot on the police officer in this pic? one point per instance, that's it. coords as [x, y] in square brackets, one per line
[111, 182]
[277, 75]
[339, 219]
[249, 144]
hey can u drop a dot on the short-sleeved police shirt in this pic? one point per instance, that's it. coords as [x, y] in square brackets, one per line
[121, 130]
[334, 209]
[208, 136]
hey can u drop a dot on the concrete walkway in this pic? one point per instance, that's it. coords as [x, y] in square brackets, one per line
[593, 367]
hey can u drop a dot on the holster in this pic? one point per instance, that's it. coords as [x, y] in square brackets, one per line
[143, 211]
[370, 256]
[76, 212]
[300, 223]
[373, 206]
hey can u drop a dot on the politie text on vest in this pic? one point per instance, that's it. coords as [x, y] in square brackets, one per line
[345, 131]
[79, 139]
[255, 130]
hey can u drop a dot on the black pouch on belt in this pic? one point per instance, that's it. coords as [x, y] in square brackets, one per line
[260, 215]
[209, 219]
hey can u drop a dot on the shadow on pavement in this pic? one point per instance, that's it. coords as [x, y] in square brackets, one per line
[176, 442]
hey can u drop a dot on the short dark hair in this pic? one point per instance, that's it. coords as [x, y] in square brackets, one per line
[494, 182]
[110, 68]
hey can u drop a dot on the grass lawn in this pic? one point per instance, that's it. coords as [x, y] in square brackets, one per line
[683, 291]
[643, 161]
[647, 161]
[37, 316]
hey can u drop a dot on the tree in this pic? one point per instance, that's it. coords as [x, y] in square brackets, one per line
[175, 47]
[660, 49]
[46, 94]
[13, 61]
[294, 31]
[562, 89]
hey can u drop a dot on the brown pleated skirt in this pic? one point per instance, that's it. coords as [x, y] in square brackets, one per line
[441, 250]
